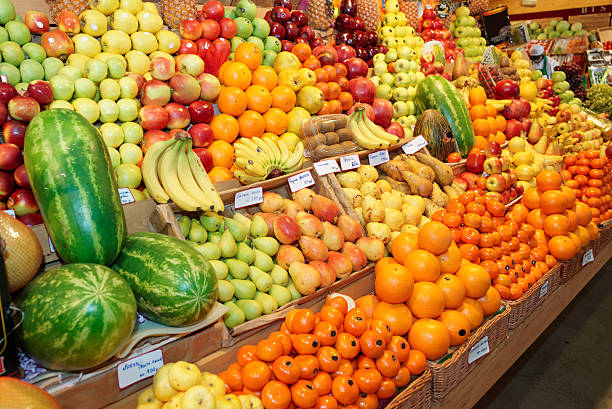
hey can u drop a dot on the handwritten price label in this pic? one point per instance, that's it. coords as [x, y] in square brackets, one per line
[587, 257]
[126, 195]
[300, 181]
[544, 289]
[414, 145]
[325, 167]
[10, 212]
[349, 162]
[378, 158]
[248, 197]
[479, 350]
[138, 368]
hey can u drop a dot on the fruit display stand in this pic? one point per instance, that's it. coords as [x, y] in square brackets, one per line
[417, 395]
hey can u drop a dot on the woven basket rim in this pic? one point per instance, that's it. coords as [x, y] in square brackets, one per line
[536, 286]
[413, 387]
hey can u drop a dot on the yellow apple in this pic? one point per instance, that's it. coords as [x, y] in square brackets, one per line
[311, 98]
[105, 56]
[78, 60]
[150, 7]
[144, 41]
[183, 375]
[124, 20]
[138, 62]
[104, 6]
[169, 42]
[86, 45]
[93, 23]
[161, 385]
[149, 21]
[286, 61]
[116, 41]
[133, 6]
[198, 397]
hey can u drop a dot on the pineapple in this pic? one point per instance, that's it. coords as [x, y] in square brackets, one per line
[175, 11]
[57, 6]
[320, 14]
[369, 12]
[478, 7]
[410, 8]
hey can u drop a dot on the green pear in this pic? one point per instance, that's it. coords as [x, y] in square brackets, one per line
[34, 51]
[259, 227]
[210, 250]
[211, 221]
[7, 12]
[226, 291]
[295, 294]
[197, 233]
[245, 289]
[237, 268]
[279, 275]
[12, 73]
[18, 32]
[251, 308]
[52, 66]
[185, 224]
[31, 70]
[262, 280]
[245, 253]
[12, 53]
[240, 218]
[234, 316]
[281, 294]
[220, 268]
[263, 261]
[268, 245]
[228, 245]
[267, 302]
[3, 35]
[238, 230]
[214, 237]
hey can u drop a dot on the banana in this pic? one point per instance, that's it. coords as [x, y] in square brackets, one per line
[274, 148]
[203, 181]
[264, 147]
[294, 162]
[259, 151]
[189, 183]
[170, 181]
[284, 150]
[242, 152]
[250, 167]
[365, 141]
[149, 170]
[245, 178]
[378, 131]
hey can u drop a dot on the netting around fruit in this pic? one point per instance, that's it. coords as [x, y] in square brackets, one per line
[428, 47]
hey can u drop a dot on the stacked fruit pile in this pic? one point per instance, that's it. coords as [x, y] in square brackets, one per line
[468, 36]
[396, 33]
[555, 29]
[290, 27]
[575, 76]
[488, 124]
[353, 30]
[432, 28]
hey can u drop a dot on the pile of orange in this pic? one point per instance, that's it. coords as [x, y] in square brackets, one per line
[336, 357]
[487, 123]
[588, 174]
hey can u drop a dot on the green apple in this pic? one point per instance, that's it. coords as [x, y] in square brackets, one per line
[235, 42]
[112, 135]
[246, 9]
[128, 109]
[78, 61]
[104, 56]
[132, 132]
[84, 88]
[268, 57]
[129, 87]
[245, 27]
[116, 41]
[31, 70]
[149, 21]
[124, 20]
[88, 108]
[18, 32]
[229, 13]
[272, 43]
[52, 66]
[116, 68]
[4, 37]
[7, 12]
[86, 45]
[34, 51]
[62, 86]
[133, 6]
[11, 72]
[128, 175]
[144, 41]
[93, 23]
[12, 53]
[168, 41]
[261, 28]
[109, 111]
[58, 103]
[138, 61]
[110, 89]
[257, 41]
[130, 153]
[95, 70]
[71, 72]
[22, 87]
[115, 157]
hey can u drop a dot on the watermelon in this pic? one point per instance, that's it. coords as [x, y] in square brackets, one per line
[435, 92]
[173, 283]
[76, 316]
[73, 181]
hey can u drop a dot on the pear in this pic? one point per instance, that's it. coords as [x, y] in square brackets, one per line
[281, 294]
[185, 224]
[226, 290]
[210, 250]
[251, 308]
[237, 268]
[238, 230]
[267, 302]
[259, 227]
[295, 294]
[245, 289]
[240, 218]
[263, 281]
[268, 245]
[220, 268]
[228, 245]
[245, 253]
[234, 316]
[214, 237]
[197, 233]
[279, 275]
[211, 221]
[305, 278]
[263, 261]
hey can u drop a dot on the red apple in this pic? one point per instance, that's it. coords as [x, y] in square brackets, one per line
[277, 30]
[308, 34]
[57, 44]
[190, 29]
[356, 67]
[31, 219]
[229, 28]
[345, 52]
[3, 115]
[203, 44]
[139, 78]
[185, 88]
[280, 14]
[299, 18]
[202, 135]
[36, 21]
[383, 112]
[396, 129]
[22, 201]
[369, 111]
[153, 136]
[362, 89]
[7, 185]
[14, 132]
[513, 128]
[7, 92]
[210, 29]
[326, 54]
[201, 111]
[155, 92]
[188, 47]
[205, 157]
[287, 45]
[23, 108]
[10, 156]
[178, 116]
[41, 91]
[68, 22]
[21, 177]
[213, 9]
[507, 89]
[475, 162]
[153, 117]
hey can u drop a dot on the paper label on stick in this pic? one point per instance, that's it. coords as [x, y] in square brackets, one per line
[248, 197]
[479, 350]
[10, 212]
[349, 162]
[138, 368]
[587, 257]
[349, 301]
[126, 195]
[544, 289]
[414, 145]
[325, 167]
[378, 158]
[300, 181]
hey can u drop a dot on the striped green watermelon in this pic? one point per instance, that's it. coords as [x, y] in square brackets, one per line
[435, 92]
[173, 283]
[76, 316]
[75, 186]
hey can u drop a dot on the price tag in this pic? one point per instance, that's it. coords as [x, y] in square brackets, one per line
[248, 197]
[587, 257]
[349, 162]
[544, 289]
[479, 350]
[126, 195]
[350, 302]
[138, 368]
[414, 145]
[51, 246]
[326, 167]
[10, 212]
[378, 158]
[3, 78]
[300, 181]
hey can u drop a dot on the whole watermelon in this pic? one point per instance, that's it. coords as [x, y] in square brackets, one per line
[76, 316]
[74, 184]
[172, 282]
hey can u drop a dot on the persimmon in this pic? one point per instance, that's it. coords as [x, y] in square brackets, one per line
[347, 345]
[355, 322]
[397, 316]
[367, 303]
[269, 349]
[286, 369]
[255, 375]
[329, 359]
[306, 344]
[326, 402]
[386, 389]
[331, 315]
[368, 380]
[246, 354]
[345, 390]
[304, 394]
[323, 383]
[372, 344]
[276, 395]
[387, 364]
[338, 302]
[303, 322]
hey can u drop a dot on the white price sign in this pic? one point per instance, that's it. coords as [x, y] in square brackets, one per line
[378, 158]
[126, 195]
[10, 212]
[300, 181]
[326, 167]
[349, 162]
[587, 257]
[138, 368]
[479, 350]
[544, 289]
[414, 145]
[248, 197]
[3, 78]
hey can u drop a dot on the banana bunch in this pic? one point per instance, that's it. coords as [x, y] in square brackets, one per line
[367, 134]
[540, 106]
[499, 104]
[258, 159]
[464, 84]
[172, 171]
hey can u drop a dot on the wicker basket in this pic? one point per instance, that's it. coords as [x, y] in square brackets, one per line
[570, 267]
[448, 372]
[524, 306]
[417, 395]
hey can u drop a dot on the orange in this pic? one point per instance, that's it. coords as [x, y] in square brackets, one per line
[302, 51]
[222, 153]
[283, 97]
[477, 96]
[248, 54]
[251, 124]
[402, 245]
[475, 279]
[450, 261]
[500, 123]
[584, 213]
[435, 237]
[584, 235]
[423, 265]
[536, 218]
[382, 263]
[473, 311]
[430, 337]
[265, 76]
[491, 111]
[334, 91]
[232, 101]
[480, 142]
[556, 224]
[225, 128]
[346, 99]
[531, 198]
[276, 121]
[453, 290]
[259, 98]
[562, 247]
[427, 300]
[491, 302]
[548, 179]
[394, 284]
[458, 326]
[478, 112]
[236, 74]
[220, 174]
[397, 316]
[553, 201]
[481, 127]
[569, 195]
